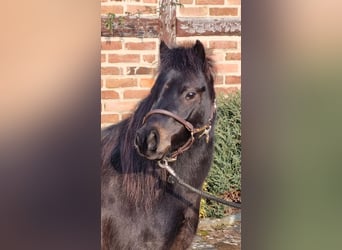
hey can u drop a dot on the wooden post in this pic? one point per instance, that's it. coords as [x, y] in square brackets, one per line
[187, 26]
[168, 22]
[167, 26]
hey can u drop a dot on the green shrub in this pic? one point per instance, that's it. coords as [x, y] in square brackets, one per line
[225, 174]
[203, 205]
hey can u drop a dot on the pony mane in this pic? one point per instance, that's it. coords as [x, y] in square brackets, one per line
[143, 180]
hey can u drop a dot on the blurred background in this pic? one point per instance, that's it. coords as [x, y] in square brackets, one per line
[50, 125]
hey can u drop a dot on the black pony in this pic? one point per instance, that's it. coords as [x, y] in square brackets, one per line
[142, 208]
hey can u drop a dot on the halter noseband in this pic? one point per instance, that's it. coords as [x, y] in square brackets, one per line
[205, 130]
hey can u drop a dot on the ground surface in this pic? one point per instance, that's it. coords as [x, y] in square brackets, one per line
[219, 234]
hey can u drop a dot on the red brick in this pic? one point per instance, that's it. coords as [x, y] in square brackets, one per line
[233, 79]
[223, 44]
[233, 56]
[140, 71]
[141, 46]
[186, 1]
[136, 94]
[146, 82]
[223, 11]
[119, 106]
[149, 58]
[124, 116]
[116, 9]
[210, 2]
[109, 95]
[134, 9]
[150, 1]
[121, 83]
[111, 71]
[145, 71]
[225, 90]
[109, 118]
[103, 57]
[108, 45]
[227, 68]
[114, 58]
[194, 11]
[234, 2]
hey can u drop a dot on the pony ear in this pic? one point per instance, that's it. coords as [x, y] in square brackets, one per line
[199, 49]
[162, 48]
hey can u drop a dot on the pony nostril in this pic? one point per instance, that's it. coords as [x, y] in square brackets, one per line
[146, 142]
[152, 141]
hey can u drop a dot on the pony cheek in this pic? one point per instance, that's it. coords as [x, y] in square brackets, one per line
[179, 138]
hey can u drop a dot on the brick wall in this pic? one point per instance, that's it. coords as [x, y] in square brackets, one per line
[128, 65]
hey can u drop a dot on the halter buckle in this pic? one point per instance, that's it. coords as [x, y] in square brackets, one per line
[206, 133]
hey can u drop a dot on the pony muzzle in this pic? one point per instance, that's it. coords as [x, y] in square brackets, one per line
[148, 144]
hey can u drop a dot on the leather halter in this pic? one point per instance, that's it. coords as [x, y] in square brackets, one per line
[205, 130]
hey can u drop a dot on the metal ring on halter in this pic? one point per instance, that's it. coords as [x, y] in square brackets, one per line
[162, 163]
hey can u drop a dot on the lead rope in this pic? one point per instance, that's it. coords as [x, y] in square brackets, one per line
[164, 164]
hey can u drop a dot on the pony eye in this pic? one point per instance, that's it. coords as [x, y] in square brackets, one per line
[190, 95]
